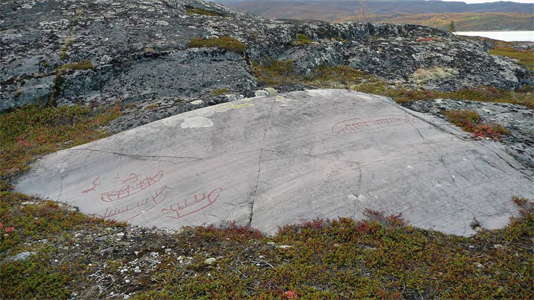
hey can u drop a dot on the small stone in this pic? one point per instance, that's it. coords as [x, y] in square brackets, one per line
[21, 256]
[261, 93]
[210, 261]
[197, 102]
[271, 91]
[233, 97]
[284, 246]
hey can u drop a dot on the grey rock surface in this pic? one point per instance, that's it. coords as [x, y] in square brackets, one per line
[519, 120]
[20, 257]
[271, 161]
[139, 52]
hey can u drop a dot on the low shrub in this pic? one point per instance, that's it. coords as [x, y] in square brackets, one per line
[275, 72]
[29, 132]
[301, 39]
[470, 121]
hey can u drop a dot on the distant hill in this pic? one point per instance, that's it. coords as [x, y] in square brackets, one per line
[485, 16]
[462, 21]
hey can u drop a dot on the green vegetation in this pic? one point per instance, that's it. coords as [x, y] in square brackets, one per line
[29, 132]
[82, 65]
[202, 11]
[219, 92]
[378, 258]
[275, 72]
[278, 73]
[24, 221]
[524, 57]
[301, 39]
[225, 42]
[483, 94]
[470, 121]
[26, 134]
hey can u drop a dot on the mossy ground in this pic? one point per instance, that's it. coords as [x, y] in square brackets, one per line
[524, 57]
[203, 12]
[301, 39]
[82, 65]
[470, 121]
[280, 73]
[29, 132]
[381, 258]
[224, 42]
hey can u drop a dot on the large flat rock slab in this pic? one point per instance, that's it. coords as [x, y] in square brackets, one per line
[271, 161]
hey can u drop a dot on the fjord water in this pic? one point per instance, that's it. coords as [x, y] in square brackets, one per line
[508, 36]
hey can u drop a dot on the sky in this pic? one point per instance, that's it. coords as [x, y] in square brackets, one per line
[485, 1]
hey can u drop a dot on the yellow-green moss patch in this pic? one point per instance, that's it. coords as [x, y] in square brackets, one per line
[524, 57]
[301, 39]
[82, 65]
[203, 12]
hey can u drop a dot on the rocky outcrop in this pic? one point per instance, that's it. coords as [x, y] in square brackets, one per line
[138, 50]
[274, 160]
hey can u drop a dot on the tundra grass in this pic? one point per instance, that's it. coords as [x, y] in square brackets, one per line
[27, 133]
[380, 258]
[524, 57]
[203, 12]
[225, 42]
[470, 121]
[301, 40]
[279, 73]
[82, 65]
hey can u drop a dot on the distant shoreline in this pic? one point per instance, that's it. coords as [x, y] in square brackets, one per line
[505, 35]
